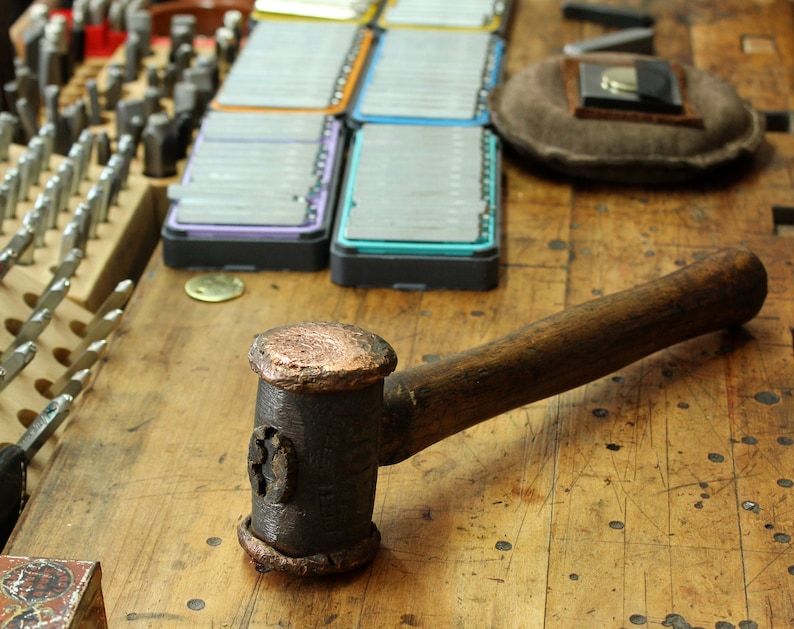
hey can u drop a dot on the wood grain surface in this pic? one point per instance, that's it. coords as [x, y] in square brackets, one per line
[660, 495]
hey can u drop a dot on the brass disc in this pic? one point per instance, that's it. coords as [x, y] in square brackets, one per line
[620, 79]
[214, 287]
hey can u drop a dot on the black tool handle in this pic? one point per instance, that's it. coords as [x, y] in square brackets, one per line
[13, 475]
[620, 17]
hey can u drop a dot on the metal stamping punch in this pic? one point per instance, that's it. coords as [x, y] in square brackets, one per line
[12, 180]
[31, 330]
[16, 360]
[621, 17]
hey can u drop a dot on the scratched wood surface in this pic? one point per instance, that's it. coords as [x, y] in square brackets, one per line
[660, 495]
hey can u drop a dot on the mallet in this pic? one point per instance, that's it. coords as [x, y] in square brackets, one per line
[327, 415]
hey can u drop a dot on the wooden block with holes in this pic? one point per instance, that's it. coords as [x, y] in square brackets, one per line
[26, 396]
[122, 246]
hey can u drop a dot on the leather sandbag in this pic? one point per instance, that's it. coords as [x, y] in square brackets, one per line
[532, 113]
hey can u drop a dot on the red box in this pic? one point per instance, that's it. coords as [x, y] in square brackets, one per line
[51, 593]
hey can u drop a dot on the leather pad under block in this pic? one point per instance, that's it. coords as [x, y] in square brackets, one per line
[537, 112]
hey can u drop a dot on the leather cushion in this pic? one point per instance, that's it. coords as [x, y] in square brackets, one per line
[531, 112]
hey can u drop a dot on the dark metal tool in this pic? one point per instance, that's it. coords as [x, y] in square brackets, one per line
[66, 171]
[10, 96]
[621, 17]
[46, 137]
[92, 354]
[77, 39]
[14, 458]
[34, 33]
[233, 20]
[19, 244]
[28, 118]
[183, 31]
[54, 190]
[102, 329]
[201, 77]
[115, 84]
[126, 110]
[49, 63]
[67, 265]
[152, 76]
[11, 179]
[8, 125]
[28, 83]
[182, 59]
[169, 79]
[81, 218]
[86, 139]
[25, 168]
[160, 146]
[117, 17]
[5, 194]
[103, 148]
[115, 301]
[140, 22]
[98, 11]
[31, 329]
[132, 57]
[122, 158]
[63, 135]
[95, 109]
[152, 103]
[76, 117]
[327, 415]
[225, 49]
[186, 101]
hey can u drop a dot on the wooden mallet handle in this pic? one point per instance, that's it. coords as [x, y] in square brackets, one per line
[426, 404]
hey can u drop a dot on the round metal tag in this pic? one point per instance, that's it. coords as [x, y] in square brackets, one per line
[214, 287]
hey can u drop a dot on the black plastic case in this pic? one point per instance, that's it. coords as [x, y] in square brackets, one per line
[300, 247]
[437, 267]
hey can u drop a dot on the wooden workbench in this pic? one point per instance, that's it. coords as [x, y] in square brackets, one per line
[658, 496]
